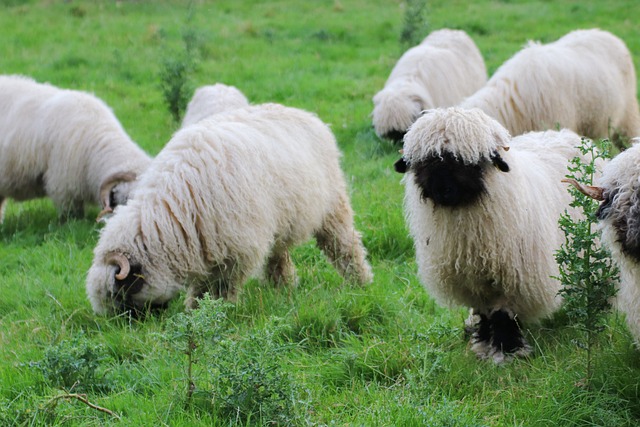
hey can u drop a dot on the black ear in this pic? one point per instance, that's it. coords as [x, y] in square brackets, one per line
[499, 163]
[401, 166]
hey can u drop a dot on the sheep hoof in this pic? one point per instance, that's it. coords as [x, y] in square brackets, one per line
[497, 336]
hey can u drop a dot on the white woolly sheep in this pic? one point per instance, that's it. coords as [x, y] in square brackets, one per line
[585, 81]
[213, 99]
[222, 202]
[619, 222]
[441, 71]
[64, 144]
[485, 220]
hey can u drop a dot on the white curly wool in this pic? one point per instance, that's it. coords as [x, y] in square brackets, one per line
[585, 81]
[213, 99]
[63, 144]
[498, 252]
[224, 201]
[441, 71]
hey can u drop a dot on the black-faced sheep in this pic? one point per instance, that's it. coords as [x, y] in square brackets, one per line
[441, 71]
[222, 202]
[619, 221]
[64, 144]
[213, 99]
[485, 220]
[585, 81]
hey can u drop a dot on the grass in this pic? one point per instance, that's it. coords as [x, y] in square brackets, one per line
[384, 355]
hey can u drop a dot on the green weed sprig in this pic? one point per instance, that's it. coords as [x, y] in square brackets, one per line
[587, 273]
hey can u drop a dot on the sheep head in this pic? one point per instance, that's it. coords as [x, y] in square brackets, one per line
[115, 191]
[395, 109]
[449, 152]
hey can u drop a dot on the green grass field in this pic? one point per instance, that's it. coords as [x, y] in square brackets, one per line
[326, 352]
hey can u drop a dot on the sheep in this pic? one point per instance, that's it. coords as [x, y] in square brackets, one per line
[213, 99]
[585, 81]
[224, 201]
[63, 144]
[440, 72]
[484, 220]
[619, 223]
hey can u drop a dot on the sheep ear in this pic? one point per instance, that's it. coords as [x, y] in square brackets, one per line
[401, 166]
[499, 162]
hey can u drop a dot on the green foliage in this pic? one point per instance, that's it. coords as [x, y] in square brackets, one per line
[175, 75]
[76, 365]
[587, 273]
[238, 378]
[415, 27]
[380, 355]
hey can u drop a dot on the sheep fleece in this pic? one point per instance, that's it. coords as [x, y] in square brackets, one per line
[224, 195]
[585, 81]
[499, 251]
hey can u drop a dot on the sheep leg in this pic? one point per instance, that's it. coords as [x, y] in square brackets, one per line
[74, 209]
[222, 282]
[481, 336]
[280, 269]
[342, 244]
[506, 336]
[3, 201]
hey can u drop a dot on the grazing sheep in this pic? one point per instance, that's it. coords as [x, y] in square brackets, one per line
[619, 220]
[439, 72]
[585, 81]
[485, 220]
[226, 198]
[213, 99]
[64, 144]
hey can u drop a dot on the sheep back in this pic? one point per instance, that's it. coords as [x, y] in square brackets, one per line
[585, 81]
[213, 99]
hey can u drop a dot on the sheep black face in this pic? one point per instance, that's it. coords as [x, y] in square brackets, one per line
[626, 224]
[395, 135]
[447, 181]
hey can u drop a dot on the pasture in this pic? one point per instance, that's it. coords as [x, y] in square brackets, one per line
[326, 352]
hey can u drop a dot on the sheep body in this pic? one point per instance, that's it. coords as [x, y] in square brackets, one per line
[224, 201]
[492, 248]
[585, 81]
[213, 99]
[441, 71]
[64, 144]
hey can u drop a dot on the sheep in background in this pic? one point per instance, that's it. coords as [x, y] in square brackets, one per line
[222, 202]
[585, 81]
[213, 99]
[64, 144]
[441, 71]
[485, 220]
[619, 221]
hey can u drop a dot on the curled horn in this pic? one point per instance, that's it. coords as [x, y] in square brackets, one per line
[596, 193]
[107, 186]
[109, 183]
[116, 258]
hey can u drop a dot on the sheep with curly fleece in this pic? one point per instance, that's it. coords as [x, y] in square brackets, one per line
[224, 201]
[585, 81]
[619, 221]
[441, 71]
[213, 99]
[483, 211]
[63, 144]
